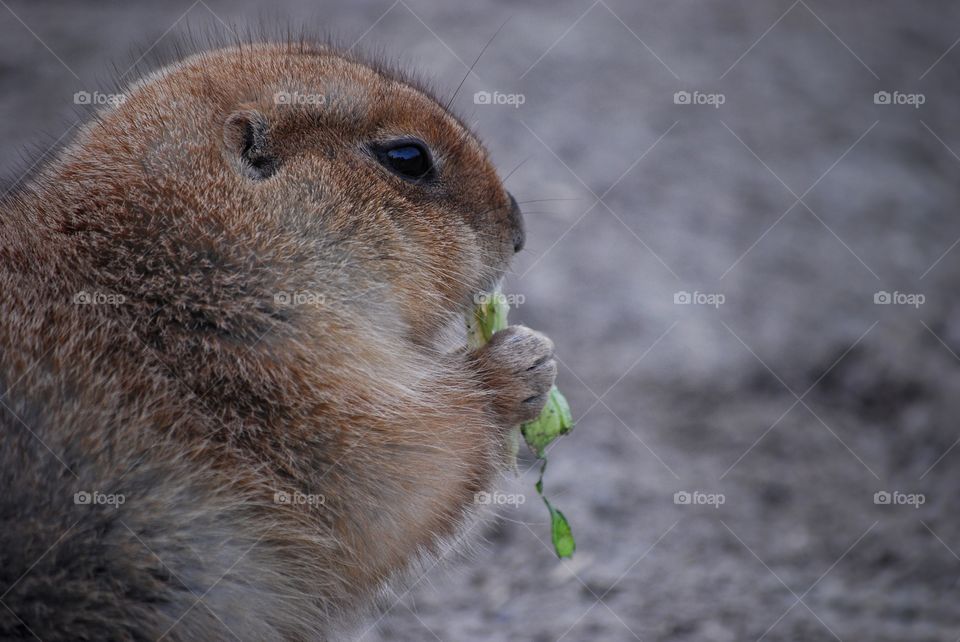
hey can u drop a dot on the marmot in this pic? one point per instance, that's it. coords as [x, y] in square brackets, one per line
[228, 409]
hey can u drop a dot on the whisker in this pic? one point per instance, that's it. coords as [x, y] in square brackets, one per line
[515, 169]
[547, 200]
[470, 70]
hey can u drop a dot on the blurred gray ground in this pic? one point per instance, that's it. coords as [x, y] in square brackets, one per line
[797, 199]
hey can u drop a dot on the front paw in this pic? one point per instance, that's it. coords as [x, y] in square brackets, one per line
[517, 365]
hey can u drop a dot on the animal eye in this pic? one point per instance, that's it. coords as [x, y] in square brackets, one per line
[408, 159]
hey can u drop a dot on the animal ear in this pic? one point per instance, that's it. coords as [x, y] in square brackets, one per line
[246, 135]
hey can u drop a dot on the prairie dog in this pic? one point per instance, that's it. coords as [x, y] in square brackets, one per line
[226, 409]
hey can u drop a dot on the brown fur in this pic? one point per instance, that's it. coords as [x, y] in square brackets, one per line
[200, 393]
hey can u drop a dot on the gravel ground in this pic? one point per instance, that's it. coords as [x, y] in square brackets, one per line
[782, 389]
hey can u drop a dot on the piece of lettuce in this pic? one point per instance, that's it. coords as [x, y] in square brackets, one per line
[489, 316]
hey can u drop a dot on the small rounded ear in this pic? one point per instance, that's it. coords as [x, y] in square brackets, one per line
[246, 135]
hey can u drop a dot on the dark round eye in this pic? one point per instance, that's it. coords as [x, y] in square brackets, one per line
[408, 159]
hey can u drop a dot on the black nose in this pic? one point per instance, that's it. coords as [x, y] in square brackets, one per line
[516, 225]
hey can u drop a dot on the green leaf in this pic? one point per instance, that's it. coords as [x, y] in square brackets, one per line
[562, 536]
[490, 316]
[554, 420]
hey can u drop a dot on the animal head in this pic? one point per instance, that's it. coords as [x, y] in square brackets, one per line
[323, 153]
